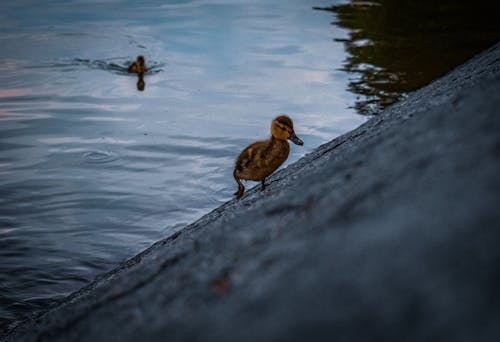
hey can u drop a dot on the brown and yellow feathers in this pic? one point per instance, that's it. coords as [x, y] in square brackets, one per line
[260, 159]
[138, 66]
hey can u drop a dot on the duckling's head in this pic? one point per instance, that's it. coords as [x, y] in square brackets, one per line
[282, 128]
[140, 60]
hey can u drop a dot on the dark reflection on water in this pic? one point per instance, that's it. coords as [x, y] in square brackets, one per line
[141, 84]
[397, 46]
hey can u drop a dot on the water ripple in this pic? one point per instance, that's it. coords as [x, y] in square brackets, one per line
[154, 67]
[99, 157]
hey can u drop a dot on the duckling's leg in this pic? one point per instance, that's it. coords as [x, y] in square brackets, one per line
[263, 185]
[240, 191]
[241, 188]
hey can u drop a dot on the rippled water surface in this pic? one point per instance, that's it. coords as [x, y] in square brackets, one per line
[93, 171]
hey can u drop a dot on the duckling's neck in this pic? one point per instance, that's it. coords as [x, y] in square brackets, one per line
[277, 150]
[277, 140]
[279, 145]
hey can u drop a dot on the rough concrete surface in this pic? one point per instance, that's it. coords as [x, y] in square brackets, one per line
[390, 232]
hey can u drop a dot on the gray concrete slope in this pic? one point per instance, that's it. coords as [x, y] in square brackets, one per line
[390, 232]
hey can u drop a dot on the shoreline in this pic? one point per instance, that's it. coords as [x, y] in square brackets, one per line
[386, 232]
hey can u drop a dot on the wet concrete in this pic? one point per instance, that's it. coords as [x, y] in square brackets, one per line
[389, 232]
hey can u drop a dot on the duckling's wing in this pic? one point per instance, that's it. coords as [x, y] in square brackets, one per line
[245, 157]
[251, 164]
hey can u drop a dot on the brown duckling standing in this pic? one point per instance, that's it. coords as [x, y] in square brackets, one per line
[262, 158]
[138, 67]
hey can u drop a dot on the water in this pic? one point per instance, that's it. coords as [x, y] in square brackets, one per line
[93, 171]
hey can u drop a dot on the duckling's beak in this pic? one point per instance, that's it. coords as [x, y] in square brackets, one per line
[295, 139]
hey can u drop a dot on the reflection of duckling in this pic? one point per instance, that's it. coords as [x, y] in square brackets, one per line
[262, 158]
[138, 66]
[140, 83]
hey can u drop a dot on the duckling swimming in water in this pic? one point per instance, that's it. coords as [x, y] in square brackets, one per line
[138, 66]
[262, 158]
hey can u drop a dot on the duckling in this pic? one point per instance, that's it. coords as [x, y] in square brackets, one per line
[138, 66]
[262, 158]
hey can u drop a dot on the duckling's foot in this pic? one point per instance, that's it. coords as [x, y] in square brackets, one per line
[263, 186]
[239, 193]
